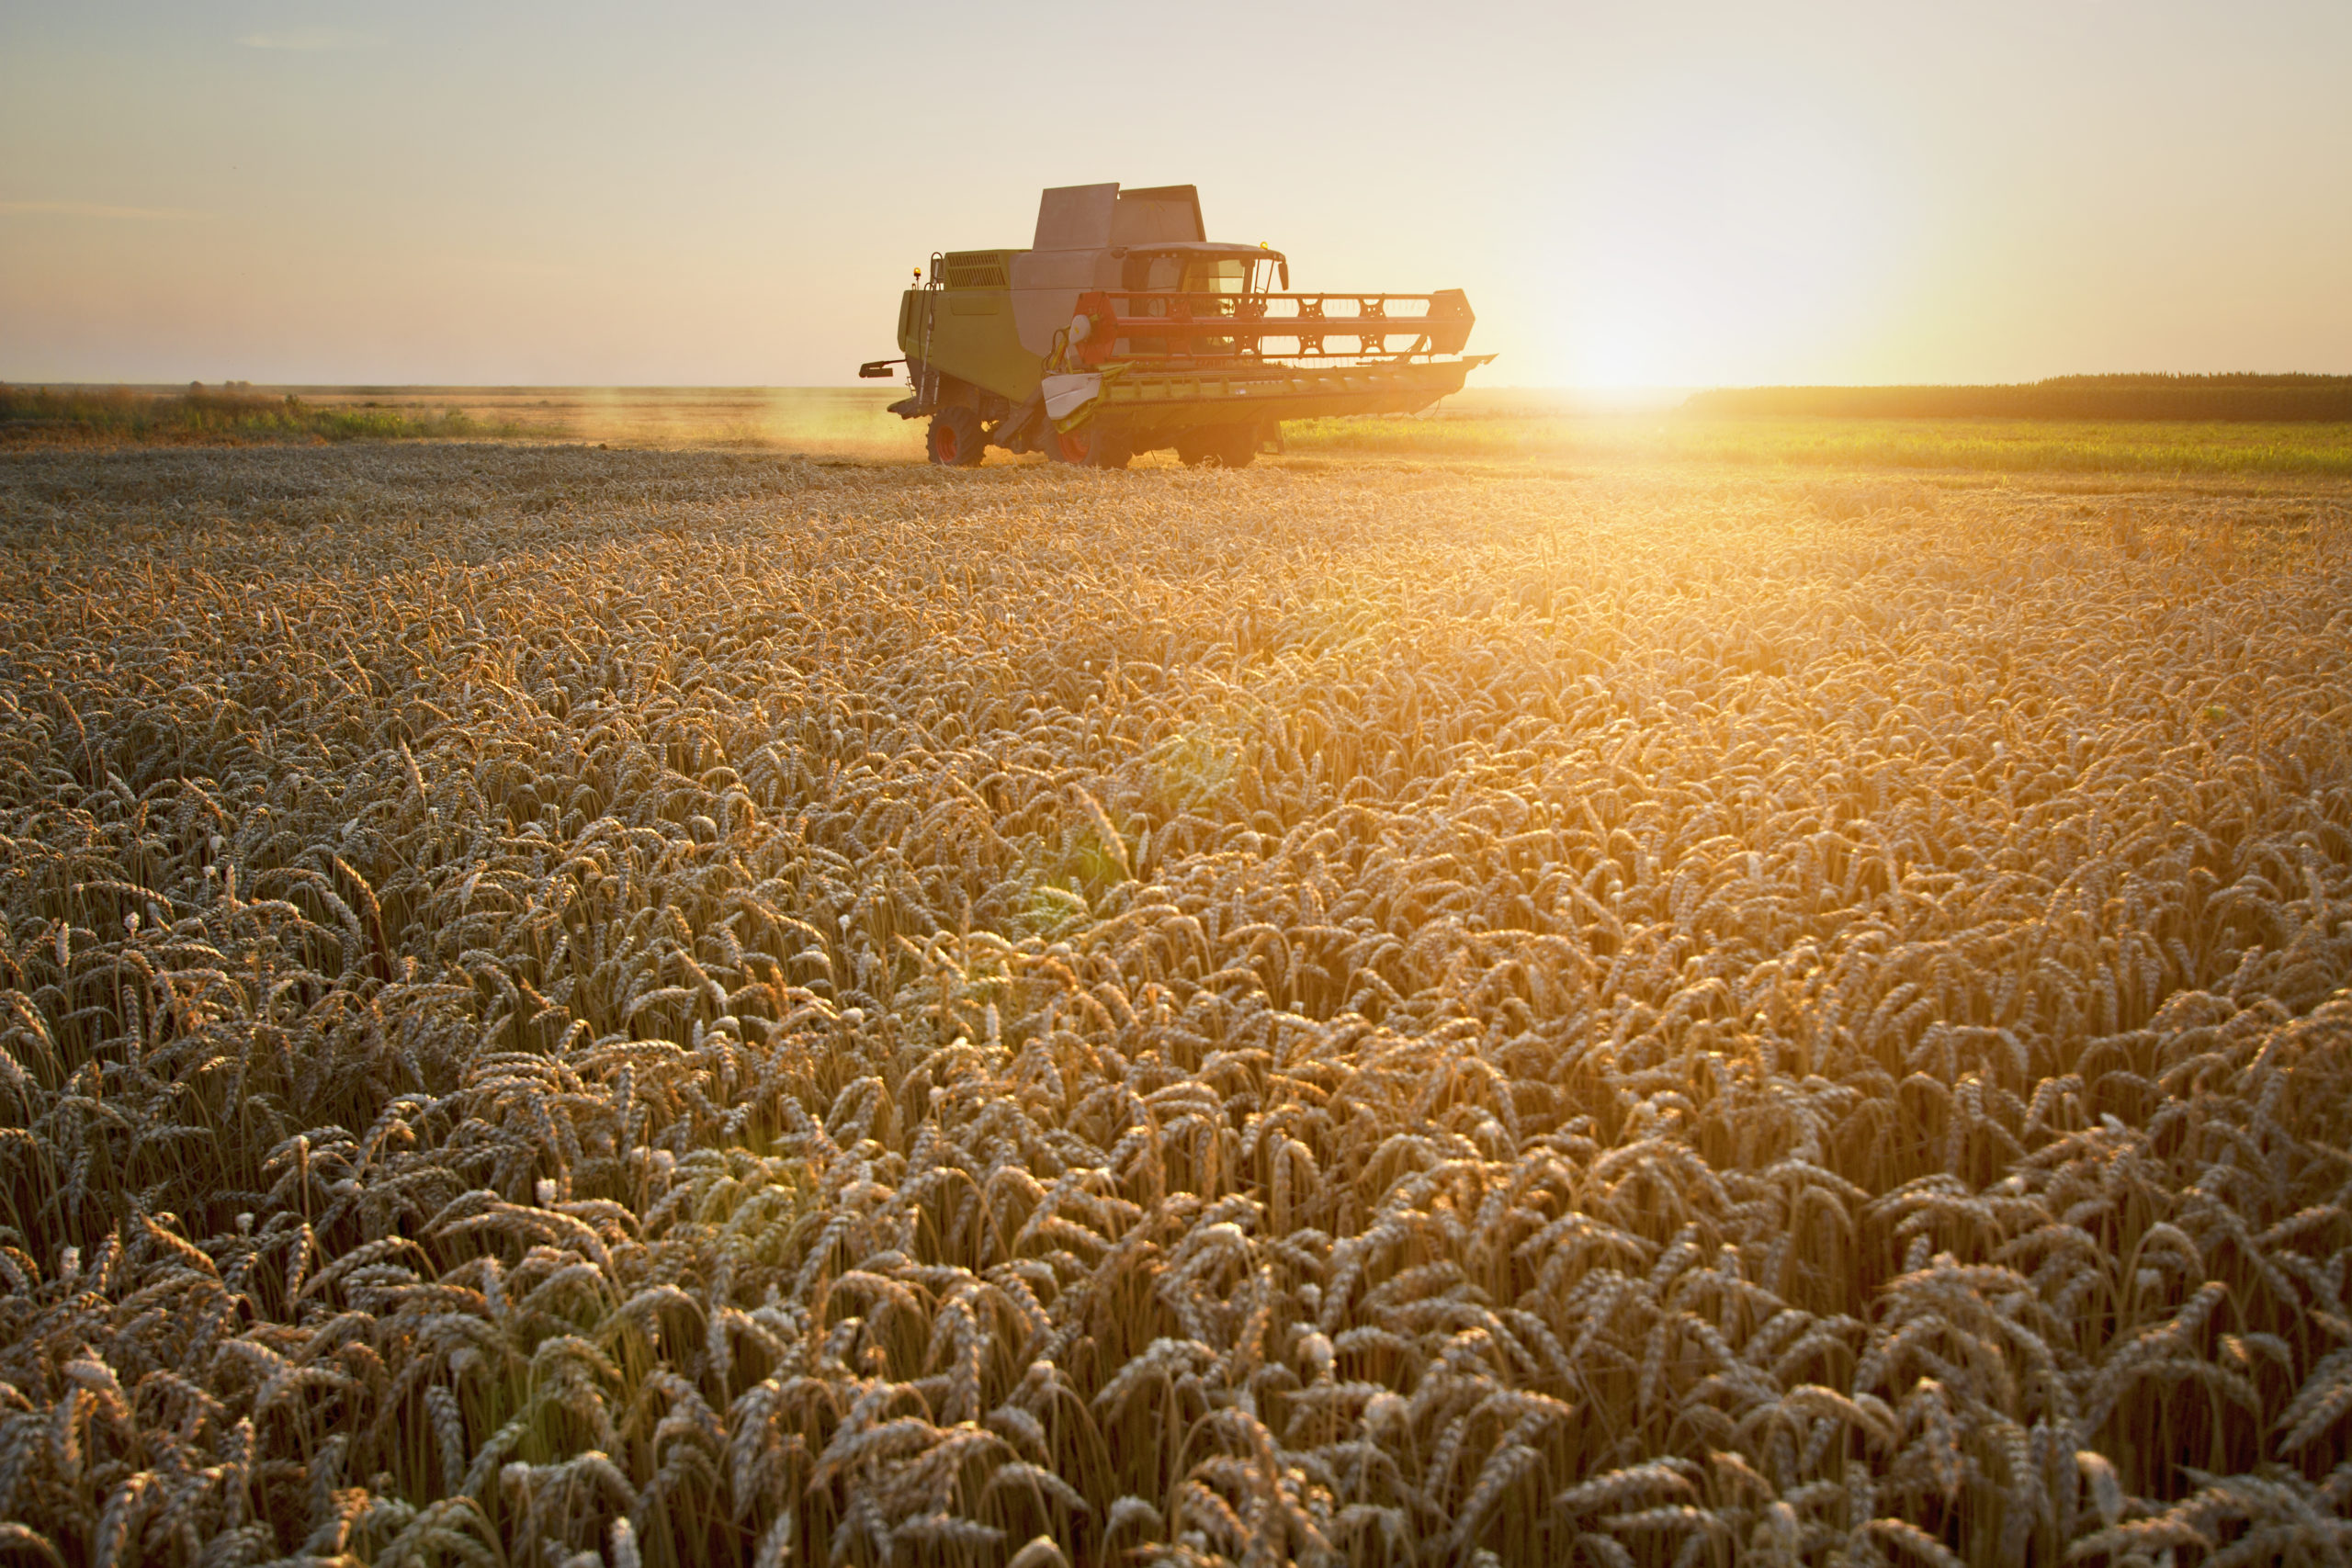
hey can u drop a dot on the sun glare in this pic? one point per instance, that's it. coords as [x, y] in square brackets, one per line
[1718, 235]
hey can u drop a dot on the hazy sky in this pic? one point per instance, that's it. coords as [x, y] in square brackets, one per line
[1632, 194]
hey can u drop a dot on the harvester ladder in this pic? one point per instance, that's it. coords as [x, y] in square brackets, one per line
[928, 390]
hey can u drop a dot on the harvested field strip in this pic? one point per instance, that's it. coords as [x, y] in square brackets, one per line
[710, 1009]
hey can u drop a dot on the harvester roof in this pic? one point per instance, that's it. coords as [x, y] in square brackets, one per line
[1199, 248]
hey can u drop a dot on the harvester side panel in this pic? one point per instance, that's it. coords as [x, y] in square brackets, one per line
[1045, 286]
[1076, 218]
[971, 334]
[1158, 215]
[1090, 218]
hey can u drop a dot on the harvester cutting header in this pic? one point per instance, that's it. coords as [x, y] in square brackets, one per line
[1124, 328]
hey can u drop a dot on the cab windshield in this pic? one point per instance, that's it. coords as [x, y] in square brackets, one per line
[1230, 286]
[1164, 272]
[1224, 275]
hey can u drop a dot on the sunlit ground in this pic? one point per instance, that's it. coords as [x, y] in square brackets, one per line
[707, 1006]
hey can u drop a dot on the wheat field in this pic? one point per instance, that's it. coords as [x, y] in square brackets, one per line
[570, 1008]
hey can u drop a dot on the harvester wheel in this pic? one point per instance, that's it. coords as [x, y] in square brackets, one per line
[1219, 446]
[956, 438]
[1089, 447]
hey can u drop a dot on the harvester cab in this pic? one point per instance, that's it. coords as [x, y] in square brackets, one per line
[1124, 328]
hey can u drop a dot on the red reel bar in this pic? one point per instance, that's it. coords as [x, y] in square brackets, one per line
[1162, 325]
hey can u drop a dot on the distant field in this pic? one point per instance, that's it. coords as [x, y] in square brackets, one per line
[1500, 424]
[1524, 426]
[2179, 398]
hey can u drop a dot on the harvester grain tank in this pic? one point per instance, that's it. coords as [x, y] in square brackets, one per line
[1124, 328]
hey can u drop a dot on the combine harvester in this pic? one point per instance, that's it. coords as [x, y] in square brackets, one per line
[1124, 328]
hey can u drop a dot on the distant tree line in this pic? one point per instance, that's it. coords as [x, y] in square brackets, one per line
[2231, 397]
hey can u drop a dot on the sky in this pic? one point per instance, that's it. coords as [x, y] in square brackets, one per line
[1662, 194]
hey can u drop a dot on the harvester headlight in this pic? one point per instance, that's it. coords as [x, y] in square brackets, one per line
[1081, 327]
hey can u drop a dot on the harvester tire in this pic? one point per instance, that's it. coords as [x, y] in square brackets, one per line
[955, 440]
[1089, 447]
[1219, 446]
